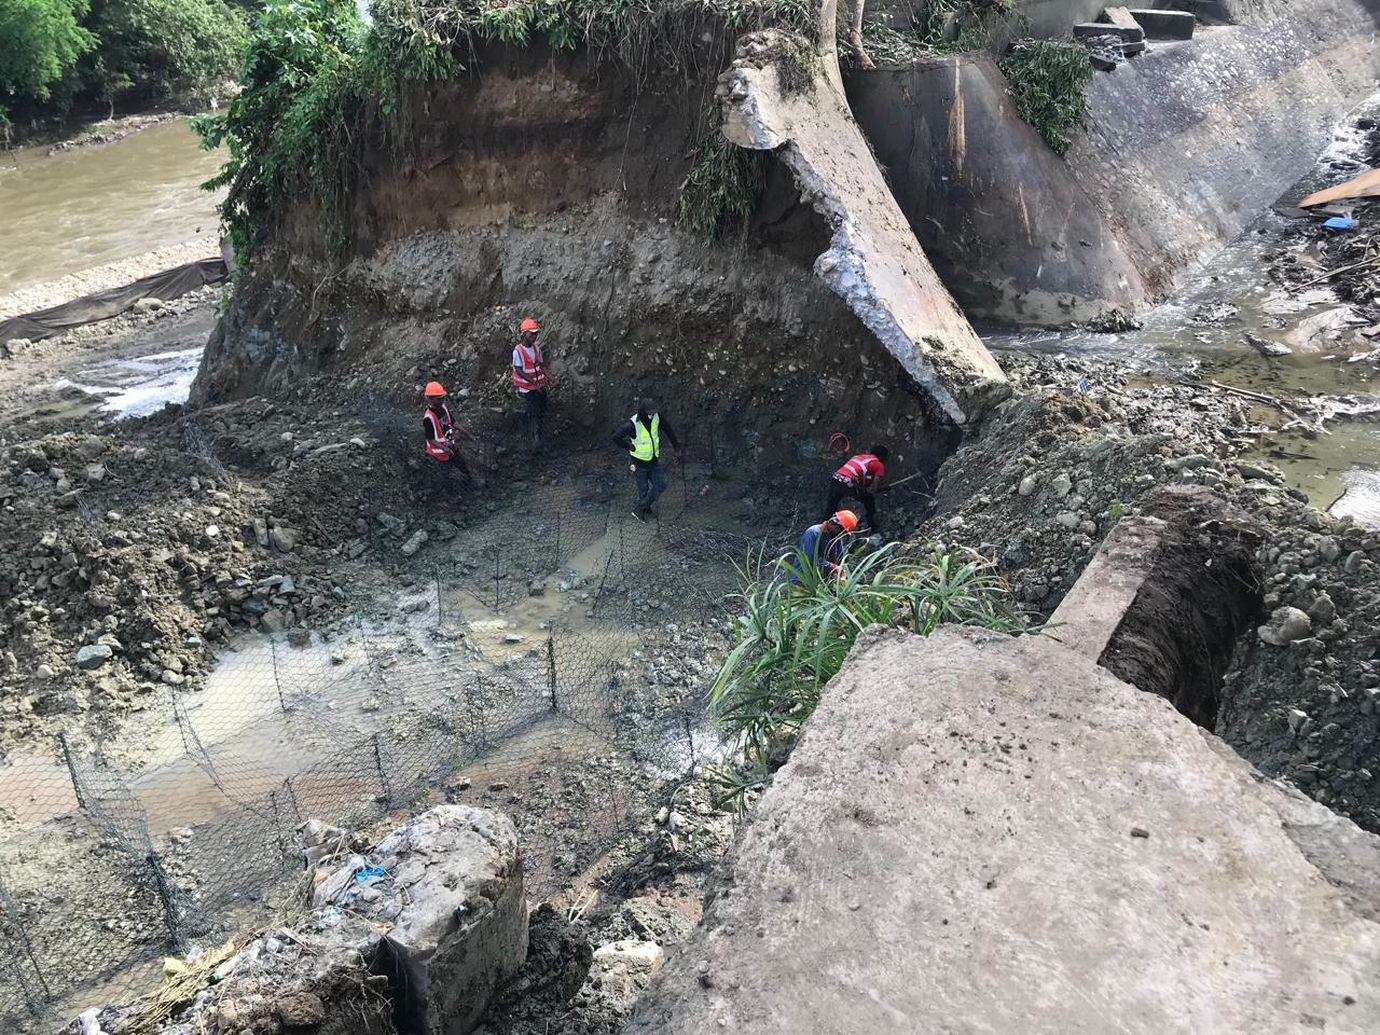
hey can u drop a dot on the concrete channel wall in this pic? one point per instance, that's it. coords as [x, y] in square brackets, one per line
[1183, 146]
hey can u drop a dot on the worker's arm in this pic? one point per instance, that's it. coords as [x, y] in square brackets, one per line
[623, 437]
[670, 435]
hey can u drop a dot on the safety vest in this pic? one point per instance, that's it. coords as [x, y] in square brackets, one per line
[863, 471]
[437, 444]
[531, 375]
[646, 442]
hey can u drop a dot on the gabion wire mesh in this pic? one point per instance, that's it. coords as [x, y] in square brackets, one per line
[105, 868]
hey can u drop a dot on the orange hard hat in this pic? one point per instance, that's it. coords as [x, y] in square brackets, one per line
[528, 324]
[434, 389]
[846, 520]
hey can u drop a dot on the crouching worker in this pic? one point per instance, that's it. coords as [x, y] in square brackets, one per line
[860, 479]
[823, 547]
[448, 469]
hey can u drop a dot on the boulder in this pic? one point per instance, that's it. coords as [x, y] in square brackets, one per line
[462, 928]
[283, 538]
[1286, 625]
[627, 967]
[93, 656]
[414, 542]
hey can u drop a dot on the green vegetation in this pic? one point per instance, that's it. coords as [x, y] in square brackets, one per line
[1047, 79]
[59, 55]
[317, 84]
[40, 42]
[721, 192]
[793, 638]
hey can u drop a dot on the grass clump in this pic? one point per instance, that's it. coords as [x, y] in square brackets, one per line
[794, 637]
[1047, 80]
[721, 192]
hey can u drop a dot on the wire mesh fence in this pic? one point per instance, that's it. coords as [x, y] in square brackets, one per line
[109, 862]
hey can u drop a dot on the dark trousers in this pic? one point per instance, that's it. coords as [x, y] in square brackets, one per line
[450, 478]
[534, 416]
[651, 483]
[839, 491]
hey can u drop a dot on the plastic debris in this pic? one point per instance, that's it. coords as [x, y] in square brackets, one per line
[1341, 223]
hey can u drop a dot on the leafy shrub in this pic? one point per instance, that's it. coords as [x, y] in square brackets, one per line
[793, 636]
[1047, 79]
[40, 42]
[158, 47]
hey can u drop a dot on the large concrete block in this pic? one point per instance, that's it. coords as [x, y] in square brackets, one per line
[462, 929]
[1089, 30]
[985, 834]
[1165, 25]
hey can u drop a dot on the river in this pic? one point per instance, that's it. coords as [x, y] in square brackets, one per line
[71, 210]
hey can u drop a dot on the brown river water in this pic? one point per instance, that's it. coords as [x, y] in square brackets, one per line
[72, 210]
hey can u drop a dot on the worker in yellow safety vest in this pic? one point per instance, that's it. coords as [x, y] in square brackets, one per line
[641, 435]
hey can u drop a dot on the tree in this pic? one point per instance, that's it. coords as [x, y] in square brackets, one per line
[157, 47]
[40, 42]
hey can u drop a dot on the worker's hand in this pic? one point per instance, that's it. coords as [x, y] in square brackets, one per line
[632, 468]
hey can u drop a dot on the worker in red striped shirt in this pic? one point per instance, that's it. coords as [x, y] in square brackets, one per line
[860, 479]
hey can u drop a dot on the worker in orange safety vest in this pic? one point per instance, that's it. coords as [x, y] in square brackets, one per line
[529, 378]
[444, 459]
[860, 479]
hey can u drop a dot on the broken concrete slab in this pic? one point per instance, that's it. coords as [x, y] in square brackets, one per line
[463, 928]
[1124, 22]
[1165, 25]
[979, 833]
[874, 262]
[1093, 30]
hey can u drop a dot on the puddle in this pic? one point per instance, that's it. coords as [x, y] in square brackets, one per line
[140, 386]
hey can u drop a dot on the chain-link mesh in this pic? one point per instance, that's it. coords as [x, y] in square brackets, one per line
[109, 861]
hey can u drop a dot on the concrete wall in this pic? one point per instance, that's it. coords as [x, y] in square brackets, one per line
[1183, 146]
[1012, 233]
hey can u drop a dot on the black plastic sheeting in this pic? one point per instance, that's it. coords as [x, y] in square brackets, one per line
[169, 284]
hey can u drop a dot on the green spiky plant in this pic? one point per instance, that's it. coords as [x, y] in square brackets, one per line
[798, 624]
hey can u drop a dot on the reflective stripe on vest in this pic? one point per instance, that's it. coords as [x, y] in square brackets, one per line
[436, 446]
[532, 374]
[646, 443]
[862, 471]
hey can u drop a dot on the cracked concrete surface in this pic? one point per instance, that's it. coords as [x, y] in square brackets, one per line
[979, 833]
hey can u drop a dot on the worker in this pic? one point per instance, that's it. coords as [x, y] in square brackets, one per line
[444, 458]
[529, 378]
[859, 478]
[641, 435]
[823, 545]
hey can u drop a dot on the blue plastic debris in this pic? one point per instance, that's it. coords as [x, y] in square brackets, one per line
[1341, 223]
[371, 871]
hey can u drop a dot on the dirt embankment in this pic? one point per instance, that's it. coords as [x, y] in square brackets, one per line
[556, 195]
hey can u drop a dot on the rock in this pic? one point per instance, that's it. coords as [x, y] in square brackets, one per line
[173, 678]
[93, 656]
[283, 538]
[300, 1010]
[148, 305]
[414, 542]
[1297, 720]
[1027, 486]
[1329, 549]
[94, 473]
[1060, 486]
[1286, 625]
[273, 621]
[628, 966]
[463, 929]
[954, 522]
[1323, 611]
[1068, 519]
[299, 637]
[261, 532]
[90, 448]
[44, 672]
[536, 587]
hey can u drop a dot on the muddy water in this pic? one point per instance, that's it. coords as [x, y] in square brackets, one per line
[70, 211]
[1202, 334]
